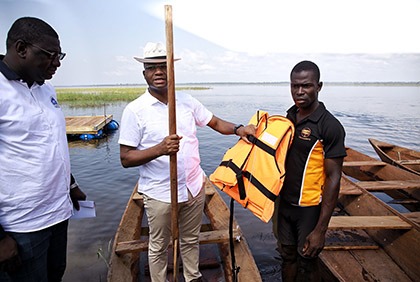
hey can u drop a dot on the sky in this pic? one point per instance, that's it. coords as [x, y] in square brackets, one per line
[230, 40]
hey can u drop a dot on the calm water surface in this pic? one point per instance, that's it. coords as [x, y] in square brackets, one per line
[385, 113]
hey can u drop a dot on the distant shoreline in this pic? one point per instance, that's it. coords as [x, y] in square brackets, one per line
[93, 96]
[281, 83]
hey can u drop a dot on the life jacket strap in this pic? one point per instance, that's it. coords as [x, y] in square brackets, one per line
[239, 177]
[261, 145]
[240, 174]
[259, 186]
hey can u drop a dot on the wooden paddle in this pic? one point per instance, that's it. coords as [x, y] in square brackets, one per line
[172, 130]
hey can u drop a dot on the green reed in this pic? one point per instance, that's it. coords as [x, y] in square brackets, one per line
[98, 96]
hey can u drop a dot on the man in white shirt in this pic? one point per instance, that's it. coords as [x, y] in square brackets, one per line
[36, 199]
[144, 142]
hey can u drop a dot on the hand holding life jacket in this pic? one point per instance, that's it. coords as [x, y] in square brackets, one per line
[253, 174]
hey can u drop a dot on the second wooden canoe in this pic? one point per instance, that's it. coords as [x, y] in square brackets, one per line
[402, 157]
[368, 240]
[377, 176]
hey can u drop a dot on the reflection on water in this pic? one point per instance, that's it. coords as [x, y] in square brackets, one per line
[384, 113]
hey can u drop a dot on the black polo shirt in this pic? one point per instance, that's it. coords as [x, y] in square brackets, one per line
[318, 136]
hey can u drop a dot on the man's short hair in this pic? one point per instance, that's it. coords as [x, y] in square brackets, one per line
[29, 29]
[307, 66]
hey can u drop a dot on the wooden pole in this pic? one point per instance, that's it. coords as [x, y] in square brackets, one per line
[172, 130]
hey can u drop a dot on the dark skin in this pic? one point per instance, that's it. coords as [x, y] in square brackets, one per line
[156, 77]
[305, 89]
[33, 65]
[8, 248]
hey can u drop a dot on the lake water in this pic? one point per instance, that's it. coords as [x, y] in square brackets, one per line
[388, 113]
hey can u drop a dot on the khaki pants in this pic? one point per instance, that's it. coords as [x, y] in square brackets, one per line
[189, 220]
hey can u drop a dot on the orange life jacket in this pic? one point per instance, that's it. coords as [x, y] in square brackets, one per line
[253, 174]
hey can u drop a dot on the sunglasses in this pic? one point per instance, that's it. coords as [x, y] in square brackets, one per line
[52, 55]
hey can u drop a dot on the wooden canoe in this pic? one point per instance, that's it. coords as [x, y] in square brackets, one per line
[129, 253]
[377, 176]
[368, 240]
[396, 155]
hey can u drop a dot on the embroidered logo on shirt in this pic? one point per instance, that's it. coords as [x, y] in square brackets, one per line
[54, 102]
[305, 134]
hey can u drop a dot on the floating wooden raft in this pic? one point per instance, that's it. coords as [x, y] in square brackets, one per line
[86, 124]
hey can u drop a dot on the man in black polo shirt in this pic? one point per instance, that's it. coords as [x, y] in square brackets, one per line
[312, 182]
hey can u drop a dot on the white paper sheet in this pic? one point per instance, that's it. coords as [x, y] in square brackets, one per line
[87, 210]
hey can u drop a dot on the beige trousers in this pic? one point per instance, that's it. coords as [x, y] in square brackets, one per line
[189, 221]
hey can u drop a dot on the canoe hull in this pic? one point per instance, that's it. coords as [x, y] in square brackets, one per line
[403, 186]
[126, 267]
[398, 156]
[131, 239]
[386, 253]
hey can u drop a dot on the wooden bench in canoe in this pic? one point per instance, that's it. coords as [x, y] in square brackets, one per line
[132, 236]
[373, 175]
[405, 158]
[370, 241]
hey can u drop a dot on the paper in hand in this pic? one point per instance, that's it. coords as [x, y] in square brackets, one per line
[87, 209]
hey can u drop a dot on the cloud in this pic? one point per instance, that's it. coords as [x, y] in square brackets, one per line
[275, 67]
[324, 26]
[225, 41]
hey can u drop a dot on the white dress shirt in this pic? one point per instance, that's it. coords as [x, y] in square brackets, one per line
[145, 123]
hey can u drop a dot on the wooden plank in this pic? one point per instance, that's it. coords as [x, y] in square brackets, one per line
[359, 265]
[354, 239]
[368, 222]
[208, 237]
[349, 189]
[204, 228]
[403, 202]
[381, 268]
[413, 216]
[139, 197]
[342, 266]
[350, 247]
[363, 163]
[389, 185]
[102, 122]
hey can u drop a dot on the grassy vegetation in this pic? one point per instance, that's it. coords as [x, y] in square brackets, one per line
[98, 96]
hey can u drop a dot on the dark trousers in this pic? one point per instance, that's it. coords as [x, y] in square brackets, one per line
[42, 253]
[293, 226]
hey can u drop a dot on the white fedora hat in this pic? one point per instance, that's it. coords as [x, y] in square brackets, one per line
[154, 53]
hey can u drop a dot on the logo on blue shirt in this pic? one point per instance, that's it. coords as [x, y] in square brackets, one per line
[54, 102]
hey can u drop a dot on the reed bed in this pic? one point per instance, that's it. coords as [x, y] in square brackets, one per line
[98, 96]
